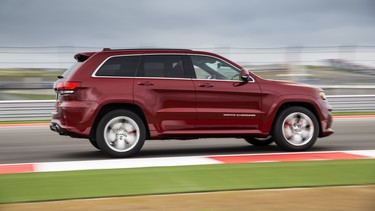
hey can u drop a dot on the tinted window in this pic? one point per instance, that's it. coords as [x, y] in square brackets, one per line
[71, 69]
[119, 66]
[214, 69]
[162, 66]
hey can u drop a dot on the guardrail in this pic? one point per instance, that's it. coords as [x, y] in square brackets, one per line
[16, 110]
[41, 109]
[352, 102]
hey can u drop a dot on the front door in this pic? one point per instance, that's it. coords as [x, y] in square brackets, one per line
[223, 100]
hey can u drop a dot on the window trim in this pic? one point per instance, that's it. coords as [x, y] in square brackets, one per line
[195, 77]
[185, 56]
[110, 57]
[183, 59]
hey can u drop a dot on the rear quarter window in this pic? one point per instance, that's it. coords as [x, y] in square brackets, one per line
[71, 69]
[121, 66]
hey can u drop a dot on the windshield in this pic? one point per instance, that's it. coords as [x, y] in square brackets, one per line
[71, 69]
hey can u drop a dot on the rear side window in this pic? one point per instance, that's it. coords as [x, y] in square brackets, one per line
[125, 66]
[71, 69]
[166, 66]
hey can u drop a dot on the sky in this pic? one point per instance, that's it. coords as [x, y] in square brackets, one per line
[183, 24]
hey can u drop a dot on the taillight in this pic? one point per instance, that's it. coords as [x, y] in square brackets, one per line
[67, 87]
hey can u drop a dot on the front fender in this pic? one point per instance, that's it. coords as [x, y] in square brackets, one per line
[272, 105]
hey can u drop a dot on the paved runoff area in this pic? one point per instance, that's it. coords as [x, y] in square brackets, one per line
[183, 161]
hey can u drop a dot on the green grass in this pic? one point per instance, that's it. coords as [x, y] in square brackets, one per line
[21, 73]
[33, 96]
[163, 180]
[25, 122]
[353, 113]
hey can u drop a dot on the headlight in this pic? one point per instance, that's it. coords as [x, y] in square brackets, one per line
[322, 95]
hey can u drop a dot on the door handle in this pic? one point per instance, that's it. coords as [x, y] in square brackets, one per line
[145, 83]
[206, 85]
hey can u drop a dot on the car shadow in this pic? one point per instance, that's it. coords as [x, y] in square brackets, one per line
[178, 151]
[201, 151]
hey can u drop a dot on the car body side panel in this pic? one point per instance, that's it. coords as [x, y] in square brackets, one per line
[227, 105]
[168, 104]
[276, 94]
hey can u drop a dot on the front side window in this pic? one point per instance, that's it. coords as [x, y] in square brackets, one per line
[166, 66]
[214, 69]
[123, 66]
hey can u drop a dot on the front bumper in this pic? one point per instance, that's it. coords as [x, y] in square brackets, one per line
[326, 122]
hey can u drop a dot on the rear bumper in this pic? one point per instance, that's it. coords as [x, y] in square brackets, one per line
[56, 127]
[73, 118]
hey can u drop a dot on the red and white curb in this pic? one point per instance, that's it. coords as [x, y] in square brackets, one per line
[182, 161]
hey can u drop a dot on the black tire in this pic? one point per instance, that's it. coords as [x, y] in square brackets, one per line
[93, 143]
[121, 133]
[260, 141]
[295, 129]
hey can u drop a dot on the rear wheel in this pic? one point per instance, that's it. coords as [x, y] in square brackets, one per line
[121, 133]
[296, 129]
[259, 141]
[93, 143]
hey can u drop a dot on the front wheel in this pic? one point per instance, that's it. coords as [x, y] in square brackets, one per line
[121, 133]
[296, 129]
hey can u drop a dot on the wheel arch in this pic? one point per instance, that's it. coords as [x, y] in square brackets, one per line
[306, 105]
[272, 115]
[115, 106]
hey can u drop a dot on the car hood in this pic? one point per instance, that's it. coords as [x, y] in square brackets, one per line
[294, 84]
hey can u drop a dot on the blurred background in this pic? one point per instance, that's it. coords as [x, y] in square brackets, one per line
[328, 44]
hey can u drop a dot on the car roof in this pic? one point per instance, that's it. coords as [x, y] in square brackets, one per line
[147, 49]
[110, 52]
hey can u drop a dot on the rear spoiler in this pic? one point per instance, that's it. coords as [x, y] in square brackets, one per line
[81, 57]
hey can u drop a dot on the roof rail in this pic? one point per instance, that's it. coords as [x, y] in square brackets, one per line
[144, 49]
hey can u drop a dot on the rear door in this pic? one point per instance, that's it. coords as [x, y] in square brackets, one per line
[223, 100]
[163, 88]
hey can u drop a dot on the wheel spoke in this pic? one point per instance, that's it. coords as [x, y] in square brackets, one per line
[298, 129]
[129, 128]
[288, 133]
[120, 144]
[111, 135]
[131, 139]
[121, 134]
[116, 126]
[306, 134]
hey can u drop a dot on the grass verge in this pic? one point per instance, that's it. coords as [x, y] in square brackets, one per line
[25, 122]
[33, 96]
[163, 180]
[353, 113]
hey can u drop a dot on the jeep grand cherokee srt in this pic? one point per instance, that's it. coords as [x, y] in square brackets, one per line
[119, 98]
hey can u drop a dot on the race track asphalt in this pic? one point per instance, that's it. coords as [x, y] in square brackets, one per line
[39, 144]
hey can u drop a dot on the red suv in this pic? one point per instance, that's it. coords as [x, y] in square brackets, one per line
[119, 98]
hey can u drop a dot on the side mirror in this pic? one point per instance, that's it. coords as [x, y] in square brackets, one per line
[246, 78]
